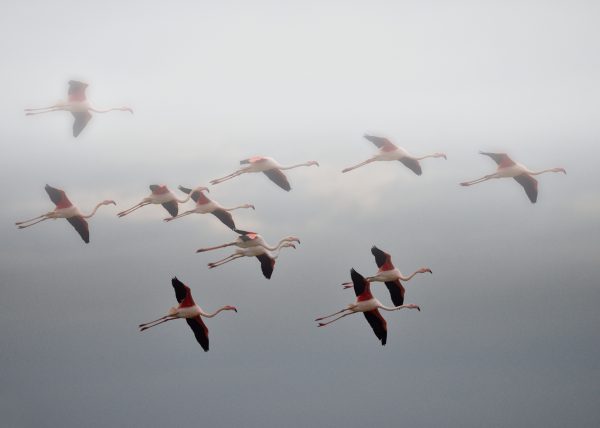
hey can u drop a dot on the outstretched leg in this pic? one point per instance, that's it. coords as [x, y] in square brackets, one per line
[358, 166]
[179, 216]
[31, 113]
[332, 315]
[223, 261]
[201, 250]
[23, 226]
[31, 219]
[132, 209]
[227, 177]
[479, 180]
[323, 324]
[146, 327]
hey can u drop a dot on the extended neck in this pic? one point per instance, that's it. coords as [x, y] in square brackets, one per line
[544, 171]
[207, 315]
[94, 211]
[296, 166]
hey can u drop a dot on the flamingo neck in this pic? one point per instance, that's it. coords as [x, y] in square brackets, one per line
[295, 166]
[541, 172]
[94, 211]
[210, 315]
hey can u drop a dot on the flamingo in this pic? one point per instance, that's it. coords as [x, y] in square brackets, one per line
[368, 305]
[265, 257]
[389, 275]
[390, 152]
[160, 195]
[250, 239]
[269, 166]
[205, 206]
[65, 209]
[507, 168]
[189, 310]
[77, 104]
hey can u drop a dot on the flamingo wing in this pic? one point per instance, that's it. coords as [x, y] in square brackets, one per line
[501, 159]
[412, 164]
[181, 290]
[200, 331]
[267, 264]
[245, 235]
[81, 226]
[76, 90]
[225, 217]
[172, 207]
[81, 120]
[382, 258]
[279, 178]
[381, 143]
[359, 281]
[378, 324]
[58, 197]
[396, 292]
[530, 185]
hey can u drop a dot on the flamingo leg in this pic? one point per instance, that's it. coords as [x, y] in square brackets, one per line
[225, 260]
[201, 250]
[358, 166]
[35, 222]
[152, 322]
[132, 209]
[332, 315]
[158, 323]
[323, 324]
[479, 180]
[31, 113]
[179, 216]
[227, 177]
[30, 220]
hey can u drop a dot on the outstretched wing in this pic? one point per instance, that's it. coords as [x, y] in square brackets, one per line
[77, 90]
[382, 143]
[81, 120]
[81, 226]
[245, 235]
[501, 159]
[225, 217]
[382, 258]
[58, 197]
[200, 331]
[396, 292]
[378, 324]
[359, 282]
[412, 164]
[172, 207]
[181, 290]
[279, 178]
[267, 264]
[530, 185]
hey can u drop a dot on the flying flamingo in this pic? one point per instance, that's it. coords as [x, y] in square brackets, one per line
[189, 310]
[368, 305]
[77, 104]
[391, 152]
[205, 206]
[265, 257]
[269, 166]
[507, 168]
[65, 209]
[250, 239]
[389, 275]
[160, 195]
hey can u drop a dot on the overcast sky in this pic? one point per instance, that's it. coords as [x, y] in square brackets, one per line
[508, 333]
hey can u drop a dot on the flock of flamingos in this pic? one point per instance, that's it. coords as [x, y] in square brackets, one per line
[251, 244]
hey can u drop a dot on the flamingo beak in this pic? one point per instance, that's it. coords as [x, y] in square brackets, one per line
[564, 171]
[112, 202]
[204, 189]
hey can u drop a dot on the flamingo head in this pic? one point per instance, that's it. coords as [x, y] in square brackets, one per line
[129, 109]
[559, 170]
[293, 239]
[310, 163]
[441, 155]
[231, 308]
[108, 202]
[202, 189]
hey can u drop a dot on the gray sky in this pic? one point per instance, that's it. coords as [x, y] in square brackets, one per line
[508, 335]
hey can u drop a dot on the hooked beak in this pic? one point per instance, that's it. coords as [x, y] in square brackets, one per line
[112, 202]
[204, 189]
